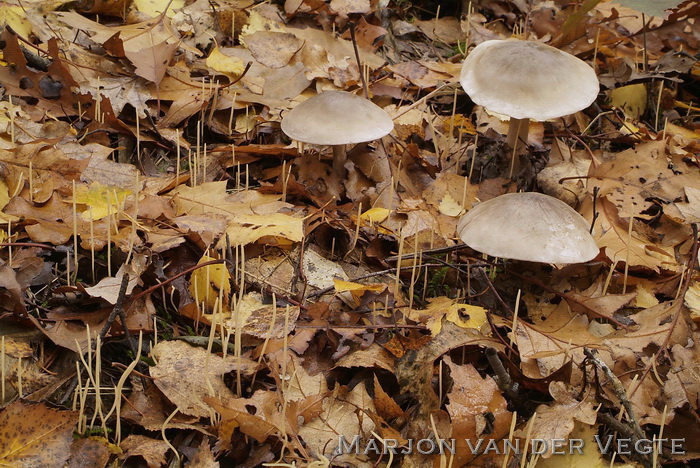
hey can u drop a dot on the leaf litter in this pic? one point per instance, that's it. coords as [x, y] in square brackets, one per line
[182, 285]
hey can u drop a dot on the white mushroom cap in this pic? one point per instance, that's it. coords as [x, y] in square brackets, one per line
[336, 118]
[528, 226]
[528, 80]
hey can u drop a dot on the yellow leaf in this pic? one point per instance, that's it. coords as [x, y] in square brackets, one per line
[247, 229]
[357, 290]
[242, 310]
[375, 215]
[246, 122]
[100, 200]
[645, 298]
[258, 22]
[154, 8]
[682, 132]
[462, 315]
[14, 17]
[450, 207]
[632, 99]
[211, 283]
[4, 195]
[461, 123]
[590, 458]
[466, 316]
[222, 63]
[683, 105]
[249, 215]
[692, 300]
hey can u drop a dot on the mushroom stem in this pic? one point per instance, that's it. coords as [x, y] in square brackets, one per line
[517, 132]
[340, 155]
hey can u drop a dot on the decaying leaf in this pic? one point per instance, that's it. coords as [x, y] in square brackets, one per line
[151, 450]
[143, 138]
[187, 375]
[472, 402]
[35, 435]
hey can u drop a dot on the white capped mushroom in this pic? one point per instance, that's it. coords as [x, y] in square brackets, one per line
[527, 80]
[337, 118]
[528, 226]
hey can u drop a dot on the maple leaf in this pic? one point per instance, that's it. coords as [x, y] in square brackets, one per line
[691, 209]
[302, 392]
[108, 288]
[682, 386]
[414, 370]
[273, 49]
[564, 163]
[152, 62]
[150, 409]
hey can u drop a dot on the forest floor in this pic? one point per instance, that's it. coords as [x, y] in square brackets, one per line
[181, 284]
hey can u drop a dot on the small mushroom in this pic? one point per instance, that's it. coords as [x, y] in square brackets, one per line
[337, 118]
[528, 226]
[527, 80]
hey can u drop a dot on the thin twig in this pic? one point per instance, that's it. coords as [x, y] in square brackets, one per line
[171, 279]
[596, 190]
[27, 244]
[117, 310]
[617, 388]
[437, 251]
[323, 291]
[505, 383]
[357, 57]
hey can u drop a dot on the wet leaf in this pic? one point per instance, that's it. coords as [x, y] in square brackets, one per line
[187, 374]
[35, 435]
[211, 285]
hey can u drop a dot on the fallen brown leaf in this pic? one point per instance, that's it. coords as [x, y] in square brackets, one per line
[35, 435]
[187, 374]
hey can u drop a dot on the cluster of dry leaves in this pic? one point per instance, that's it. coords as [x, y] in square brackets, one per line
[259, 312]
